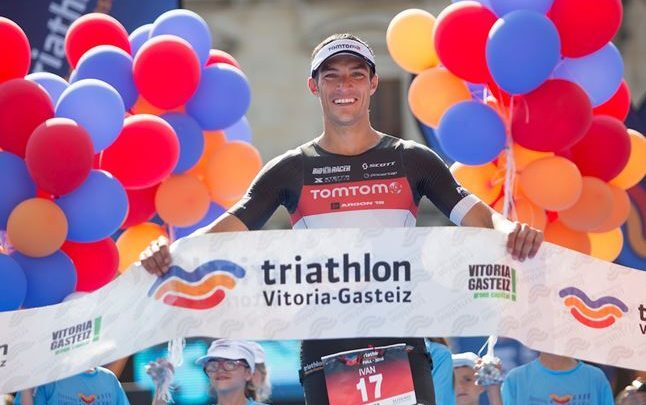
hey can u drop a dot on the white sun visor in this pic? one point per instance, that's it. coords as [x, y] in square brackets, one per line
[343, 46]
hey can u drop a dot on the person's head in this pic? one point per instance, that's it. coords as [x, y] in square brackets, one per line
[466, 390]
[634, 394]
[229, 364]
[343, 77]
[260, 379]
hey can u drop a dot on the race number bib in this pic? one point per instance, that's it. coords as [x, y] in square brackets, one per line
[373, 376]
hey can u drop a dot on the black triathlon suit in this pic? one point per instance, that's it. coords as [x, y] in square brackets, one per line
[381, 187]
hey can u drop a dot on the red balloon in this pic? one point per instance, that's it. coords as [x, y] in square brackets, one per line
[604, 150]
[92, 30]
[618, 105]
[167, 71]
[460, 37]
[218, 56]
[499, 94]
[59, 156]
[551, 118]
[24, 105]
[144, 154]
[96, 263]
[141, 206]
[585, 26]
[14, 46]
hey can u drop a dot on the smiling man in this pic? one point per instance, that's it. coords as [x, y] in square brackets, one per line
[353, 176]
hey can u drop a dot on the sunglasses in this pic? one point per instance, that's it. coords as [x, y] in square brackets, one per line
[227, 365]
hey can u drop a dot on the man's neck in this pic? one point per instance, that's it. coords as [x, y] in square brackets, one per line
[350, 140]
[557, 363]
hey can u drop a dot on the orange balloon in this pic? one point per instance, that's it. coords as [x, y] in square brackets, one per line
[553, 183]
[635, 169]
[212, 141]
[37, 227]
[410, 40]
[522, 157]
[433, 92]
[485, 181]
[182, 200]
[143, 106]
[559, 234]
[618, 213]
[134, 240]
[525, 212]
[606, 245]
[231, 170]
[591, 209]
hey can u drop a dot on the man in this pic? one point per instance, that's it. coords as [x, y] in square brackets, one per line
[354, 176]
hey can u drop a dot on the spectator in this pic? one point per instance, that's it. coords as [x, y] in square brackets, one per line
[467, 392]
[261, 381]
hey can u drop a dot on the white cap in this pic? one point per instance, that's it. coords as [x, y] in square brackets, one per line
[468, 359]
[258, 351]
[344, 46]
[230, 350]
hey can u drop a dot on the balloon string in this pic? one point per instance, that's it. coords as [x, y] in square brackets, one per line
[509, 208]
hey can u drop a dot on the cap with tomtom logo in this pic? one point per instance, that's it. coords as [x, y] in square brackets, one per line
[345, 46]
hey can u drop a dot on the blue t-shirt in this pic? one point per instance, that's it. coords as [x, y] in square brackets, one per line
[97, 387]
[442, 373]
[533, 384]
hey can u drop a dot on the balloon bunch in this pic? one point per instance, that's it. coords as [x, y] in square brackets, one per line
[148, 124]
[528, 98]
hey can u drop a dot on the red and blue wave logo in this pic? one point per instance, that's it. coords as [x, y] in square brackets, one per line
[203, 288]
[596, 314]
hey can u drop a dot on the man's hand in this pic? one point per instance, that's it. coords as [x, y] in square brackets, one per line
[523, 242]
[156, 258]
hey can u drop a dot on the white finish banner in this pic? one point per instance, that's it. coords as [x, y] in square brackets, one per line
[339, 283]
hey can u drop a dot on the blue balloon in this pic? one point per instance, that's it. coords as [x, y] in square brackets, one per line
[138, 37]
[599, 73]
[49, 279]
[13, 288]
[471, 133]
[240, 131]
[96, 208]
[486, 3]
[16, 185]
[191, 140]
[187, 25]
[477, 90]
[54, 85]
[522, 50]
[97, 107]
[221, 99]
[211, 215]
[113, 66]
[502, 7]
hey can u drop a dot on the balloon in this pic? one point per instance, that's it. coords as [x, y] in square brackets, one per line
[553, 183]
[96, 209]
[212, 141]
[13, 288]
[218, 56]
[528, 39]
[502, 7]
[14, 46]
[635, 169]
[162, 61]
[53, 85]
[96, 263]
[37, 227]
[619, 211]
[231, 169]
[525, 212]
[113, 66]
[599, 73]
[618, 105]
[240, 131]
[91, 30]
[559, 234]
[522, 157]
[191, 140]
[585, 26]
[15, 183]
[187, 25]
[145, 153]
[551, 118]
[138, 37]
[604, 150]
[211, 215]
[592, 208]
[484, 181]
[471, 133]
[141, 206]
[49, 279]
[486, 3]
[409, 38]
[222, 97]
[607, 245]
[24, 105]
[134, 240]
[142, 106]
[182, 200]
[446, 88]
[97, 107]
[460, 37]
